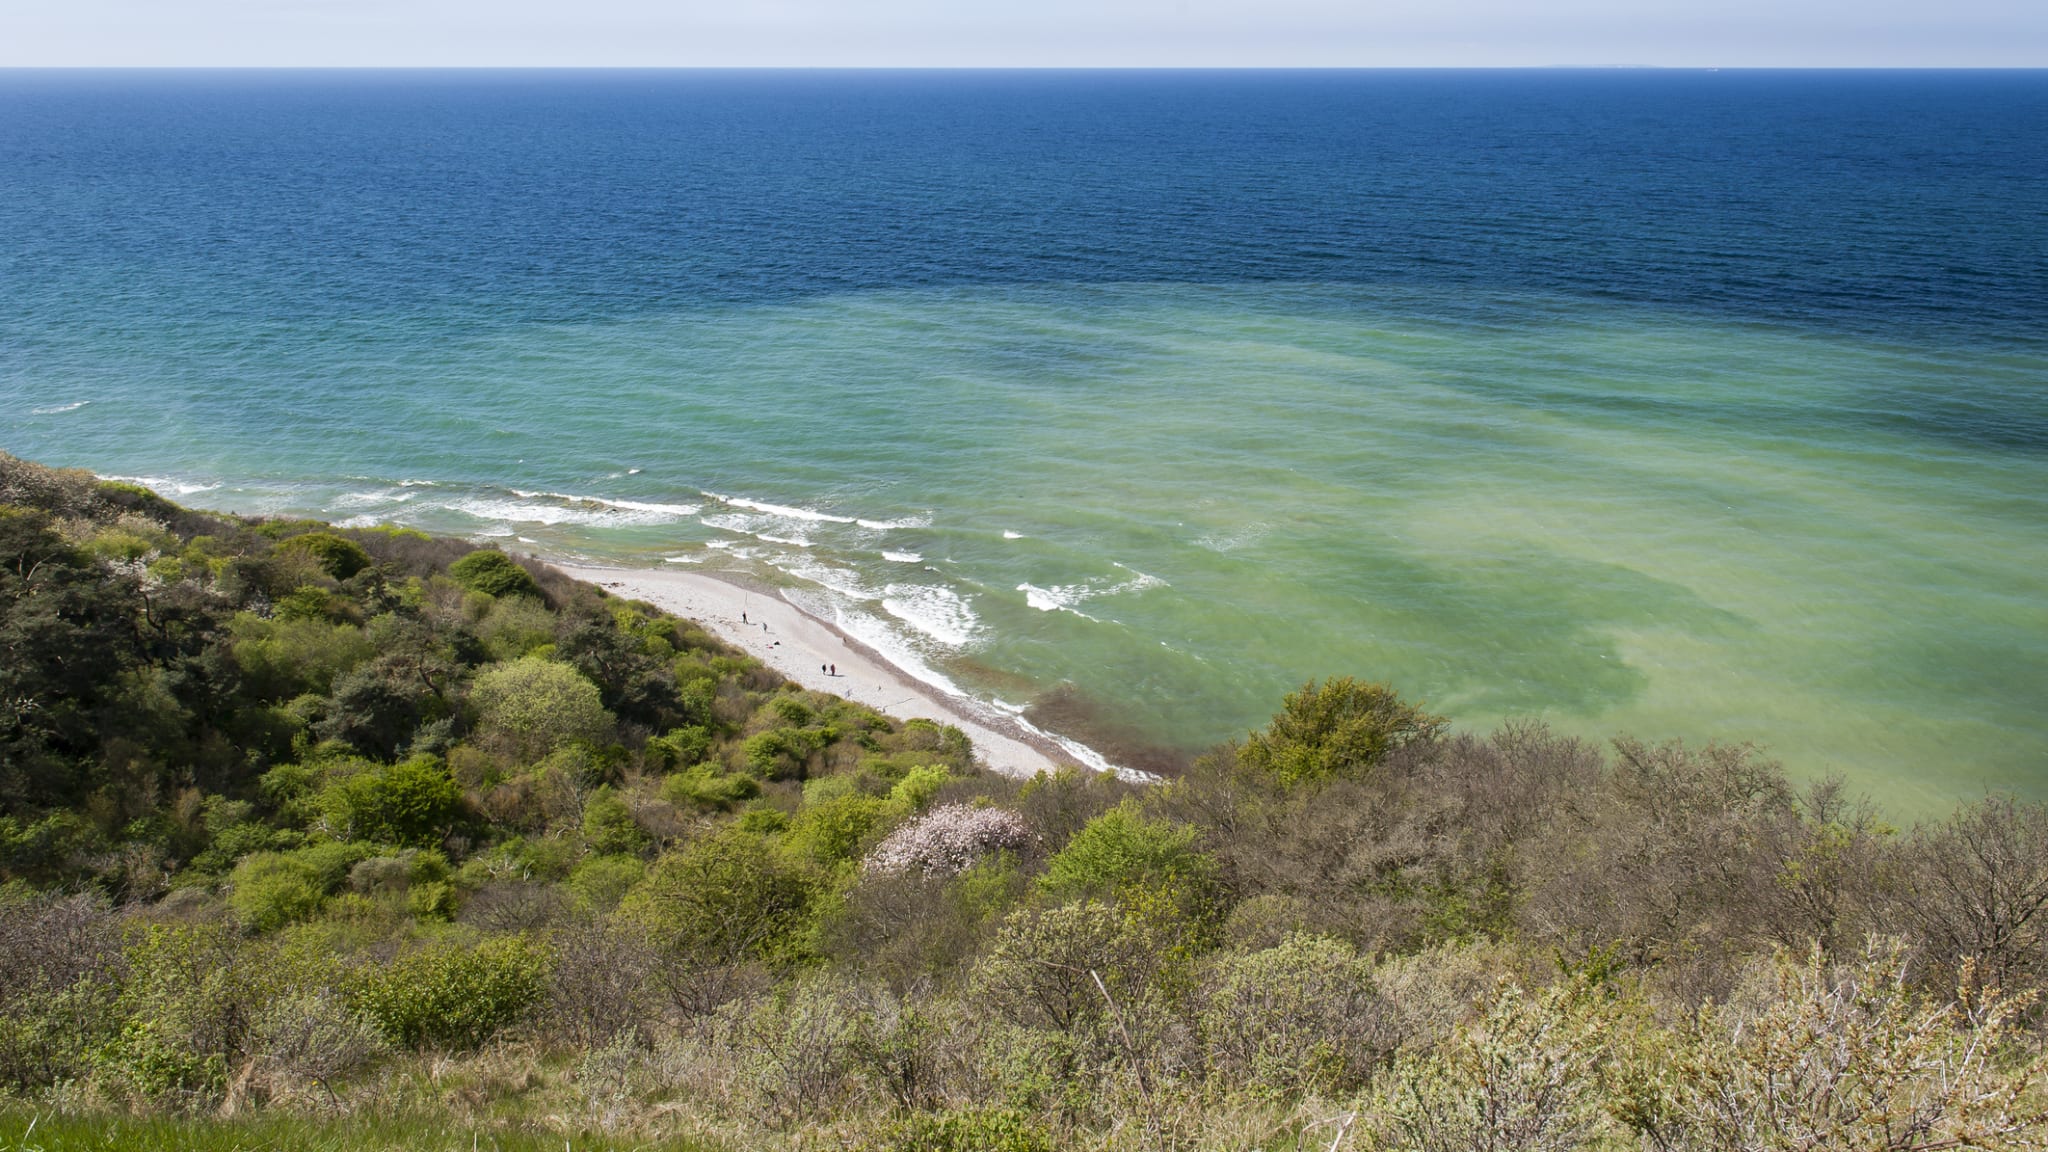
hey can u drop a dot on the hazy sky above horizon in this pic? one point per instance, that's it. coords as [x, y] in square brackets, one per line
[1026, 33]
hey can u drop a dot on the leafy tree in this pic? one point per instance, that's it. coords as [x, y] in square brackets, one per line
[1340, 728]
[725, 898]
[412, 804]
[534, 706]
[339, 557]
[1123, 853]
[493, 573]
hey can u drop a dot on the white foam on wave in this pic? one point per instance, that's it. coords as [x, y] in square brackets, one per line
[675, 511]
[163, 485]
[903, 557]
[551, 508]
[937, 612]
[1009, 535]
[924, 521]
[697, 559]
[54, 409]
[1058, 598]
[385, 496]
[782, 510]
[718, 543]
[772, 539]
[418, 484]
[844, 581]
[1065, 597]
[358, 522]
[878, 635]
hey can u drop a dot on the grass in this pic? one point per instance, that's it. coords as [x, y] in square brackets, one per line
[28, 1131]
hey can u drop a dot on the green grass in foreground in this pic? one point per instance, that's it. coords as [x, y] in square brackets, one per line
[23, 1131]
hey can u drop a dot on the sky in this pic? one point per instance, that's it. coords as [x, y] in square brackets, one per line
[1025, 33]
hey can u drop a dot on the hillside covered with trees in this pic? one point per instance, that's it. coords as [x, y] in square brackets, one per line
[313, 837]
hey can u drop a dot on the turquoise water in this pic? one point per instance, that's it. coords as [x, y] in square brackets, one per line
[1152, 506]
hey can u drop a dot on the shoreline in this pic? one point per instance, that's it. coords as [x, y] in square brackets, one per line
[818, 655]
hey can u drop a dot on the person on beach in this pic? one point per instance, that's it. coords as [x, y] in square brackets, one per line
[743, 617]
[832, 670]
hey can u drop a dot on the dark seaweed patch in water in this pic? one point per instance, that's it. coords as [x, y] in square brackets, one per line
[1066, 711]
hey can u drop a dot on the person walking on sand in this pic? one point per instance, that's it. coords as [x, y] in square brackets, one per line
[832, 670]
[743, 617]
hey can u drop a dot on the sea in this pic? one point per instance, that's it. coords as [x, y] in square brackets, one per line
[1701, 405]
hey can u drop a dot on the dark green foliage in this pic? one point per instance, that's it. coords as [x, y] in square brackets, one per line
[724, 898]
[493, 573]
[411, 804]
[340, 558]
[1339, 728]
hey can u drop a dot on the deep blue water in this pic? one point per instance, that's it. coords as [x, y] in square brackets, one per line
[1865, 200]
[1261, 337]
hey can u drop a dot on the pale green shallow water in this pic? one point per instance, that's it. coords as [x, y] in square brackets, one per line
[1615, 518]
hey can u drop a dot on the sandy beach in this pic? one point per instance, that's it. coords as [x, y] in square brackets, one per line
[816, 655]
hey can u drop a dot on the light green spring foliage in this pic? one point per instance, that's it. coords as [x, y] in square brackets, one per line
[1124, 854]
[534, 706]
[452, 996]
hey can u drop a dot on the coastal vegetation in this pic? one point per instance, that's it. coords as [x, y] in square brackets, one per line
[356, 838]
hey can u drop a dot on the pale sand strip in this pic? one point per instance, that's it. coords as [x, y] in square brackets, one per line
[799, 645]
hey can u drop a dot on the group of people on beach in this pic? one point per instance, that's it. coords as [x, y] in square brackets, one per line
[827, 669]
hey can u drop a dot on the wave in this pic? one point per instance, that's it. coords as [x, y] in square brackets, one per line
[678, 511]
[697, 559]
[1058, 598]
[878, 635]
[790, 540]
[844, 581]
[54, 409]
[163, 485]
[1064, 597]
[1009, 535]
[387, 496]
[937, 612]
[782, 510]
[924, 521]
[903, 557]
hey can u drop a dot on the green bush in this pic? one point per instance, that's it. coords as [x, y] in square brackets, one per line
[268, 890]
[1122, 853]
[534, 706]
[453, 998]
[412, 804]
[680, 748]
[340, 558]
[1300, 1017]
[493, 573]
[707, 788]
[600, 882]
[782, 753]
[608, 825]
[1341, 728]
[724, 898]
